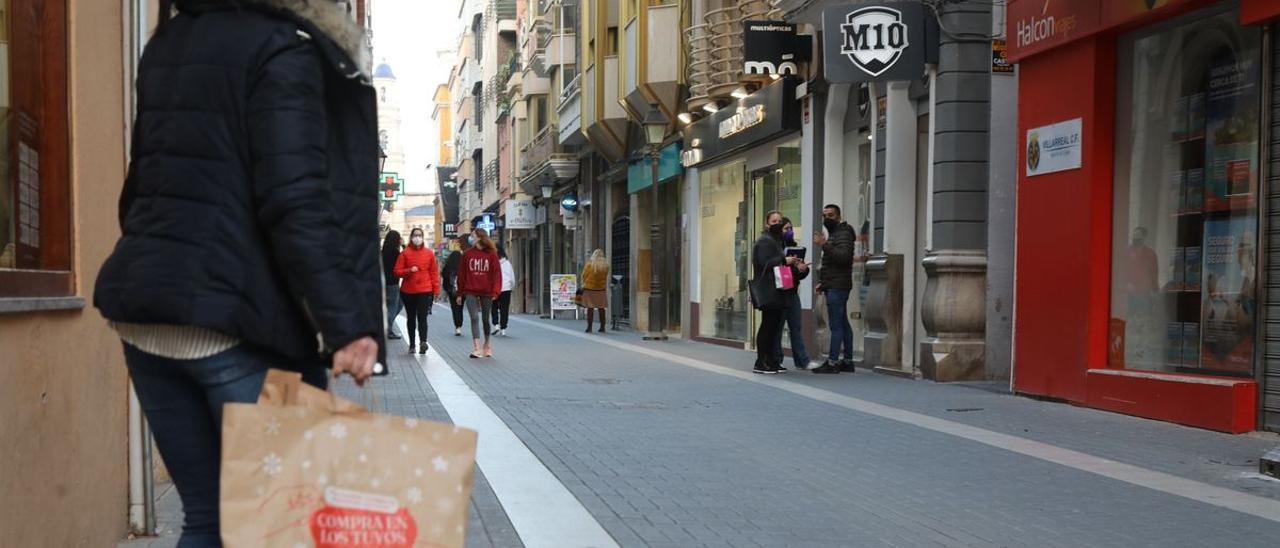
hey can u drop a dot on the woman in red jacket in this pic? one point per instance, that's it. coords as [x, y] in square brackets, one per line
[479, 283]
[417, 267]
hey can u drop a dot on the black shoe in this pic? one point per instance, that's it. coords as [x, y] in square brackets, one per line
[828, 368]
[847, 366]
[781, 368]
[424, 349]
[411, 347]
[394, 336]
[762, 368]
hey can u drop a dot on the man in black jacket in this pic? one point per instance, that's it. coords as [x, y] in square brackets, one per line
[449, 278]
[835, 282]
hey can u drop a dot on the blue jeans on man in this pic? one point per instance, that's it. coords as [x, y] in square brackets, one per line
[838, 318]
[795, 327]
[183, 400]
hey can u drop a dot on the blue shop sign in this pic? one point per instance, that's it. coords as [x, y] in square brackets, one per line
[569, 202]
[640, 173]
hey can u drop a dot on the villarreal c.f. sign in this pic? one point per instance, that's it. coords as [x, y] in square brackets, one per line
[876, 42]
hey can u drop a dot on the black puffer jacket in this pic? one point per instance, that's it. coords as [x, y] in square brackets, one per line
[837, 258]
[766, 254]
[250, 207]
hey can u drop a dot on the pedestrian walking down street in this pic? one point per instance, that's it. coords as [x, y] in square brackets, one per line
[595, 283]
[768, 253]
[449, 278]
[835, 282]
[391, 246]
[236, 253]
[791, 306]
[502, 306]
[479, 283]
[417, 266]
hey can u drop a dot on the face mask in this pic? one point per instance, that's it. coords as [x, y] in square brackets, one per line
[471, 239]
[417, 240]
[776, 230]
[789, 234]
[831, 224]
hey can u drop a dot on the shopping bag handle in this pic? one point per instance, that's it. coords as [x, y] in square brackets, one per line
[368, 394]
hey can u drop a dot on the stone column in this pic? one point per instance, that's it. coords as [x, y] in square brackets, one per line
[954, 308]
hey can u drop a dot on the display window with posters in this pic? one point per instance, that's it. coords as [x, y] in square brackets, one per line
[1185, 211]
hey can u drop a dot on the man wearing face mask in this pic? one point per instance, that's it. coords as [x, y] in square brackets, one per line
[835, 282]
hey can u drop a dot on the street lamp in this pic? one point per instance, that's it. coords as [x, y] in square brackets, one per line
[655, 131]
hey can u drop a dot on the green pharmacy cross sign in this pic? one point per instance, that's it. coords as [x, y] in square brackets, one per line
[391, 186]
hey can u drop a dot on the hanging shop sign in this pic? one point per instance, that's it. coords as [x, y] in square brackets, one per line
[1055, 147]
[773, 47]
[521, 215]
[884, 41]
[569, 202]
[766, 114]
[391, 187]
[487, 221]
[450, 230]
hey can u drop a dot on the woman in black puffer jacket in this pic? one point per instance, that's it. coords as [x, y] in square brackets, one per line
[249, 221]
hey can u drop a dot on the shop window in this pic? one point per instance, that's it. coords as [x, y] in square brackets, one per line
[35, 239]
[1184, 251]
[726, 241]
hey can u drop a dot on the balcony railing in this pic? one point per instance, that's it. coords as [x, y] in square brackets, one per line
[539, 149]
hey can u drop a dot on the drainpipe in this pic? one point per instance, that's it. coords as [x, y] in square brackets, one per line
[142, 508]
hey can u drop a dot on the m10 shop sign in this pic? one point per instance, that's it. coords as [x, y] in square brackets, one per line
[873, 38]
[876, 42]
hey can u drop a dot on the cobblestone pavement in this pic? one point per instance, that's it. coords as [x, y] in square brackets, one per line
[665, 454]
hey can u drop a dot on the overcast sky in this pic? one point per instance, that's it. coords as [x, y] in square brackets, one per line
[409, 34]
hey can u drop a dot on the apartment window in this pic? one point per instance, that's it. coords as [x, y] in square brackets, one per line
[540, 112]
[611, 42]
[35, 198]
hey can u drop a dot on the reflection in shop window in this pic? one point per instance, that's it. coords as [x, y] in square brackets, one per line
[1186, 184]
[7, 217]
[724, 307]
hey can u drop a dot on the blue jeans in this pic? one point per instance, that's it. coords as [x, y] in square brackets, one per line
[183, 400]
[838, 318]
[795, 327]
[394, 306]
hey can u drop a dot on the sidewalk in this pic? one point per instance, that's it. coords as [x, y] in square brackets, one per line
[665, 452]
[676, 444]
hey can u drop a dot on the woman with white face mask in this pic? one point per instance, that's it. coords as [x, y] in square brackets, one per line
[417, 267]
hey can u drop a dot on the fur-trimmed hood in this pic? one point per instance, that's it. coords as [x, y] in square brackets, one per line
[330, 17]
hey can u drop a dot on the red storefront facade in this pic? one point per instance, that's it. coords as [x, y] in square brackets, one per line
[1142, 206]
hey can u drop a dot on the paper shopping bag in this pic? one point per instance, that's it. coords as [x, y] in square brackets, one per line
[304, 468]
[783, 277]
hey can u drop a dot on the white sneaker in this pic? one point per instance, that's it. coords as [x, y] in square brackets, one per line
[812, 365]
[457, 331]
[502, 332]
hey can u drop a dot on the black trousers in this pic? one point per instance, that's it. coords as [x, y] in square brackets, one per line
[457, 309]
[768, 337]
[416, 308]
[502, 310]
